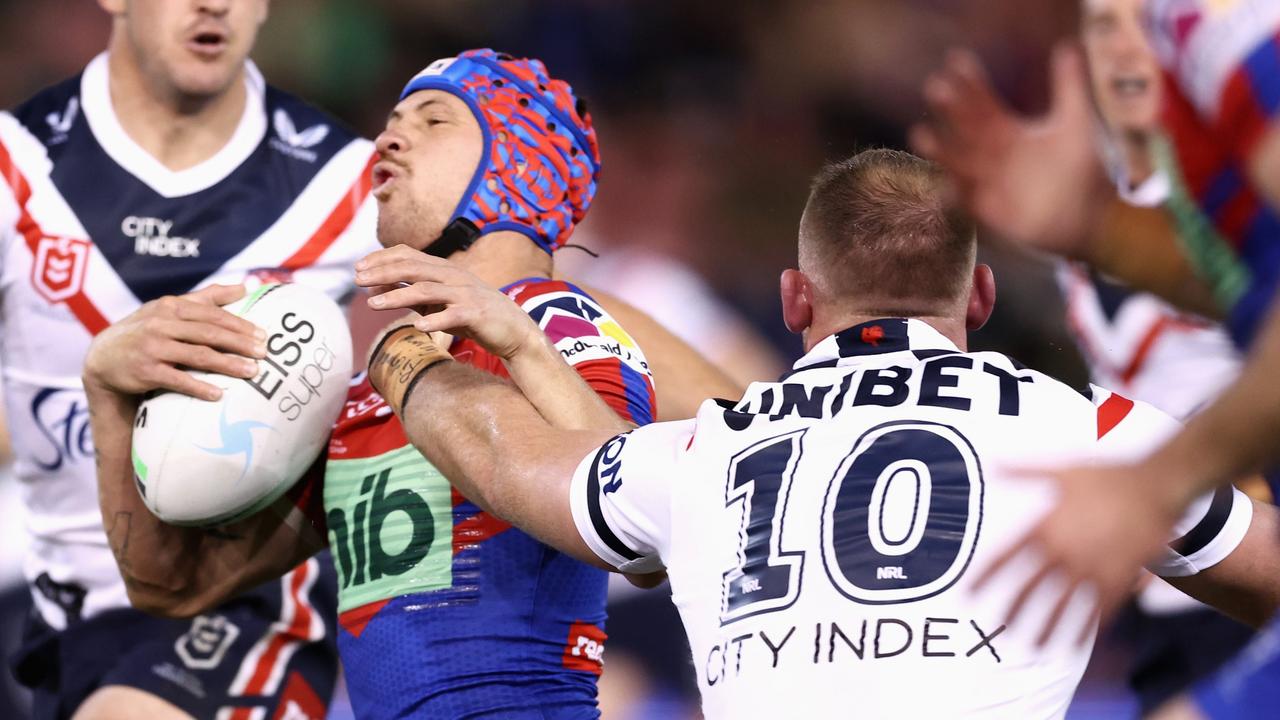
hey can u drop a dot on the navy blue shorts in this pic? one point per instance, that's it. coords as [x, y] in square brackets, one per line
[268, 654]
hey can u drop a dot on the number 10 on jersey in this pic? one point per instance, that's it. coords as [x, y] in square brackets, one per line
[899, 522]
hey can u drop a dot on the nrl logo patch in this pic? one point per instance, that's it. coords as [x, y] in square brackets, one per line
[207, 642]
[58, 271]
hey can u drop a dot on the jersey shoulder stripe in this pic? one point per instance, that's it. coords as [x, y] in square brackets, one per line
[1111, 411]
[39, 240]
[590, 340]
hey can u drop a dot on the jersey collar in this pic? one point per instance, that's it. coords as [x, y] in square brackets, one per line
[1149, 193]
[876, 337]
[95, 99]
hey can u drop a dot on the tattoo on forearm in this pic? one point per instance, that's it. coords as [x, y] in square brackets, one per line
[118, 537]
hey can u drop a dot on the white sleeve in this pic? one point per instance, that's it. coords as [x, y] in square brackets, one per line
[621, 495]
[10, 210]
[1208, 532]
[1212, 527]
[9, 215]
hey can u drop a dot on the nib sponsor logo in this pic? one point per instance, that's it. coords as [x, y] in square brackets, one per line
[293, 142]
[151, 236]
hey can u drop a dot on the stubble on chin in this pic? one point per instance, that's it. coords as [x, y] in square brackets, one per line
[404, 227]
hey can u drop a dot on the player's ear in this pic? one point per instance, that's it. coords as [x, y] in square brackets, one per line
[797, 300]
[982, 297]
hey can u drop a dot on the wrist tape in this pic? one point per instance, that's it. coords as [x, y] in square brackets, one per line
[399, 359]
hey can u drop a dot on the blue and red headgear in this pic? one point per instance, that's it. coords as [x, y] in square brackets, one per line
[537, 175]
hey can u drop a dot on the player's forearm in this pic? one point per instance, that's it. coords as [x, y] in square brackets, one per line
[498, 451]
[170, 570]
[1246, 585]
[147, 551]
[560, 395]
[1139, 246]
[1237, 435]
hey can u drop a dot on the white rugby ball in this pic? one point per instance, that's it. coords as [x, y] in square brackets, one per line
[210, 463]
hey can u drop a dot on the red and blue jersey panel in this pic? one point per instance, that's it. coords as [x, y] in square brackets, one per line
[445, 610]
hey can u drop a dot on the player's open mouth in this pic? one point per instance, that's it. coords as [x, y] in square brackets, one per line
[207, 43]
[382, 177]
[1130, 86]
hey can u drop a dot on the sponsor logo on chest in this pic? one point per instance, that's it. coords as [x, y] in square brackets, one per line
[390, 520]
[60, 123]
[153, 236]
[295, 143]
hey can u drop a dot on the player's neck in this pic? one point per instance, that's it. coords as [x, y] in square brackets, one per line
[1138, 164]
[178, 131]
[951, 328]
[504, 257]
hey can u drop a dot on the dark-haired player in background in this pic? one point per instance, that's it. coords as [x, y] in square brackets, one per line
[166, 165]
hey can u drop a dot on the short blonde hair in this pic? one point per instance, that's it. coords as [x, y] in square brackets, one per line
[877, 236]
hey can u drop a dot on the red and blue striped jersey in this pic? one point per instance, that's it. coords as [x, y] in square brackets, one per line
[1222, 70]
[445, 610]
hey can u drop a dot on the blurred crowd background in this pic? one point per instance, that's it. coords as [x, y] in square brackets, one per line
[712, 117]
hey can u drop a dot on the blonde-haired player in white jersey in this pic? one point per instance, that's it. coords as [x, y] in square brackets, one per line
[824, 534]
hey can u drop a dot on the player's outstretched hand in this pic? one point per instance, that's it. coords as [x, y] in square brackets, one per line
[450, 299]
[1108, 522]
[149, 349]
[1035, 182]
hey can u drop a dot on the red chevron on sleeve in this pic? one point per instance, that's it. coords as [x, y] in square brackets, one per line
[1111, 412]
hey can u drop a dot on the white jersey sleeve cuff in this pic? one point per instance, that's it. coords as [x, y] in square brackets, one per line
[1211, 530]
[597, 514]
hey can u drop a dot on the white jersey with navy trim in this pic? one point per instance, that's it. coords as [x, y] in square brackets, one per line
[823, 534]
[91, 226]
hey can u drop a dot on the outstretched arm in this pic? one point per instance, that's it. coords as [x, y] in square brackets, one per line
[171, 570]
[511, 447]
[491, 443]
[450, 300]
[1038, 182]
[487, 462]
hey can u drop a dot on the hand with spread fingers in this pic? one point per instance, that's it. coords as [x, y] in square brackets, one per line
[1036, 182]
[151, 348]
[450, 299]
[1125, 526]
